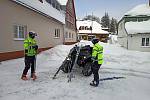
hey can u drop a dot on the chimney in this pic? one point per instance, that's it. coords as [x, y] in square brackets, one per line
[149, 2]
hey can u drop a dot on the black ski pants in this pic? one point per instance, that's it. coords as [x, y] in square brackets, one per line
[95, 68]
[29, 62]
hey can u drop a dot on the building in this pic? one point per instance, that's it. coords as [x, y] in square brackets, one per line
[134, 29]
[88, 29]
[18, 17]
[70, 35]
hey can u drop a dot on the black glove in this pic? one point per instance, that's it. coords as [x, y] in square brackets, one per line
[35, 47]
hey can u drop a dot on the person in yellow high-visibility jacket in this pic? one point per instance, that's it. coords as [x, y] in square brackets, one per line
[97, 58]
[31, 48]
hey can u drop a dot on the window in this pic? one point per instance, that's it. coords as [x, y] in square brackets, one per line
[134, 19]
[90, 27]
[72, 35]
[53, 4]
[58, 7]
[69, 35]
[80, 28]
[66, 35]
[19, 31]
[57, 33]
[145, 42]
[142, 19]
[86, 28]
[80, 37]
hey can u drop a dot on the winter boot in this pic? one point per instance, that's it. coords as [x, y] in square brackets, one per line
[33, 76]
[94, 83]
[24, 77]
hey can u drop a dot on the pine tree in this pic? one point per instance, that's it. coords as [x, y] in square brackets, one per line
[105, 21]
[112, 26]
[116, 24]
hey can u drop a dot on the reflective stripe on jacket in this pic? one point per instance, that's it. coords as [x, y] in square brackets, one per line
[97, 53]
[28, 43]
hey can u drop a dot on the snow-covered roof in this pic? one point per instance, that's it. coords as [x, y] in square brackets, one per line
[96, 27]
[62, 2]
[143, 9]
[138, 27]
[44, 8]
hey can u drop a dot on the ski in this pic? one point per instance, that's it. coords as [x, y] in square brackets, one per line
[70, 74]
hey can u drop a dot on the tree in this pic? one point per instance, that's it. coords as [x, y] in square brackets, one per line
[105, 21]
[113, 25]
[92, 17]
[116, 24]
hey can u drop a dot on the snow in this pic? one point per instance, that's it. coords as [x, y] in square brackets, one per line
[139, 27]
[62, 2]
[113, 39]
[44, 7]
[97, 28]
[118, 62]
[143, 9]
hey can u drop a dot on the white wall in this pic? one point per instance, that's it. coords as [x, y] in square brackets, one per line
[135, 42]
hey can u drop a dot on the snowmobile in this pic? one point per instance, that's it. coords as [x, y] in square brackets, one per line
[78, 56]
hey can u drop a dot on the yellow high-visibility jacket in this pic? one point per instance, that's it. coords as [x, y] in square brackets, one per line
[97, 53]
[28, 43]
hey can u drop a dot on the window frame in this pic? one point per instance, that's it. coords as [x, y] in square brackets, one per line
[21, 31]
[57, 33]
[145, 42]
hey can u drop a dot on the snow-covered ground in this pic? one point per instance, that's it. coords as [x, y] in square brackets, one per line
[134, 66]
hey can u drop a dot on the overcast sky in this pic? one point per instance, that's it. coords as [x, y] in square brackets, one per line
[115, 8]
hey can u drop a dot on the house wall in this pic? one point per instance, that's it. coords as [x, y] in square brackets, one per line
[122, 34]
[72, 32]
[16, 14]
[70, 22]
[135, 42]
[12, 13]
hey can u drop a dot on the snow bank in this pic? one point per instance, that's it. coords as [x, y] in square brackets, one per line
[113, 39]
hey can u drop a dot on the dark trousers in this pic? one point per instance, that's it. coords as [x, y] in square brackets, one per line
[29, 62]
[95, 68]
